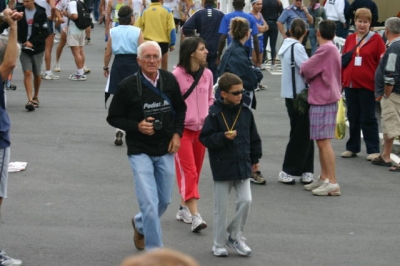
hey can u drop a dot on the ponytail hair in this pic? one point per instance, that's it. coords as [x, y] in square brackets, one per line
[297, 28]
[239, 28]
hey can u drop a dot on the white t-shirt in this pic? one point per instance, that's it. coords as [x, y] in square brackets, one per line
[29, 14]
[72, 9]
[61, 6]
[45, 5]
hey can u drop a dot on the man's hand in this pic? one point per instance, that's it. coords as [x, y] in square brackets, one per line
[255, 167]
[146, 126]
[10, 16]
[174, 144]
[171, 48]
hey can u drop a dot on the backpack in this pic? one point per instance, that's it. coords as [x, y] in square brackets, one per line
[318, 18]
[89, 4]
[84, 19]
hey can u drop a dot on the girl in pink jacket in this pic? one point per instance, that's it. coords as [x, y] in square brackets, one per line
[196, 83]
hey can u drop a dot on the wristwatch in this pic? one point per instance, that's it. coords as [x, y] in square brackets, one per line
[105, 68]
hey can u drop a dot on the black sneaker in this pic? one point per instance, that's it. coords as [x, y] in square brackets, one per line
[118, 138]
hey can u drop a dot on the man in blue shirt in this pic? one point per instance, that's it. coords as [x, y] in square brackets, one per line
[238, 5]
[296, 10]
[206, 23]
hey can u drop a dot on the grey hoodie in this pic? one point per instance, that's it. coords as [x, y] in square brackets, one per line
[300, 56]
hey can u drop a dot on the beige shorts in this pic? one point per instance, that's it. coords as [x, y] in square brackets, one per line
[391, 115]
[75, 37]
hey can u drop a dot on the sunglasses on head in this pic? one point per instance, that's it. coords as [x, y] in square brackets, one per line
[236, 93]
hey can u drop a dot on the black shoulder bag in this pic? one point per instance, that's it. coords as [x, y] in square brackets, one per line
[195, 82]
[346, 57]
[300, 101]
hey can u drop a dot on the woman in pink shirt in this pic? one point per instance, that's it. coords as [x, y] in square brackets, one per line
[198, 98]
[322, 73]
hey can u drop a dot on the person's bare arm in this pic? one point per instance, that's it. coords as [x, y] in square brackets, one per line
[12, 50]
[281, 30]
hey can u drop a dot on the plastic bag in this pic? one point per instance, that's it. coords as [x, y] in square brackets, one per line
[340, 129]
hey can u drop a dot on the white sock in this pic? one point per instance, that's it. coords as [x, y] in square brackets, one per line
[80, 71]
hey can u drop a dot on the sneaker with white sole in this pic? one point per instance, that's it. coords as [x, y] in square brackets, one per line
[372, 156]
[6, 260]
[239, 245]
[220, 252]
[198, 223]
[77, 77]
[49, 76]
[316, 184]
[348, 154]
[286, 178]
[118, 138]
[307, 178]
[273, 67]
[57, 67]
[327, 189]
[184, 215]
[86, 70]
[257, 178]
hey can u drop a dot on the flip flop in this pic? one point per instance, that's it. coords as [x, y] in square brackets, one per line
[394, 168]
[379, 161]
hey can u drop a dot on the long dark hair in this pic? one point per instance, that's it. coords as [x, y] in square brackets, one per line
[188, 46]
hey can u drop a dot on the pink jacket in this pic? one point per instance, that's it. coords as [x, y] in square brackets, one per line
[199, 100]
[323, 74]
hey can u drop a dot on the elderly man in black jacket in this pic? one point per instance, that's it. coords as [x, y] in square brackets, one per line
[32, 33]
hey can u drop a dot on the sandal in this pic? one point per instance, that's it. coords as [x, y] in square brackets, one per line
[30, 106]
[394, 168]
[35, 102]
[379, 161]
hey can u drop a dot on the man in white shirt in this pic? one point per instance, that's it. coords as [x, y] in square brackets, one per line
[334, 10]
[76, 41]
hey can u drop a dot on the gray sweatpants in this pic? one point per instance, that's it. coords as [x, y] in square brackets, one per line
[221, 199]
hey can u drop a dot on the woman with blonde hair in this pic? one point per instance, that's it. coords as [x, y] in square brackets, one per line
[358, 82]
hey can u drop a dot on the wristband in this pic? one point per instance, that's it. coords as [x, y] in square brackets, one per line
[105, 68]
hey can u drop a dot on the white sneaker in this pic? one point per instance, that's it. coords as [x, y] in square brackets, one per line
[220, 252]
[57, 67]
[307, 178]
[77, 77]
[6, 260]
[86, 70]
[316, 184]
[184, 215]
[285, 178]
[198, 223]
[239, 245]
[50, 76]
[327, 189]
[273, 67]
[263, 66]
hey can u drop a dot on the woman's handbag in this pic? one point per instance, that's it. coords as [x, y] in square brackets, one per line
[346, 57]
[300, 101]
[340, 129]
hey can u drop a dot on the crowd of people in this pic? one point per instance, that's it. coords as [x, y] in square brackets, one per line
[170, 118]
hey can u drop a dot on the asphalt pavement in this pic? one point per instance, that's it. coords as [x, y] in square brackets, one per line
[74, 203]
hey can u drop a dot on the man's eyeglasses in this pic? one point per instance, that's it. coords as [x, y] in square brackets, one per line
[150, 57]
[236, 93]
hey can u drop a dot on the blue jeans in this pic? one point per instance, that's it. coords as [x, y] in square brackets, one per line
[312, 36]
[154, 180]
[341, 31]
[361, 114]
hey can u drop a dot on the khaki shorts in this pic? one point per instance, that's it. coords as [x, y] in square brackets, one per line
[32, 62]
[391, 115]
[75, 36]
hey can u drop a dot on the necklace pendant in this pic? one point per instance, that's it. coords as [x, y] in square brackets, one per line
[230, 132]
